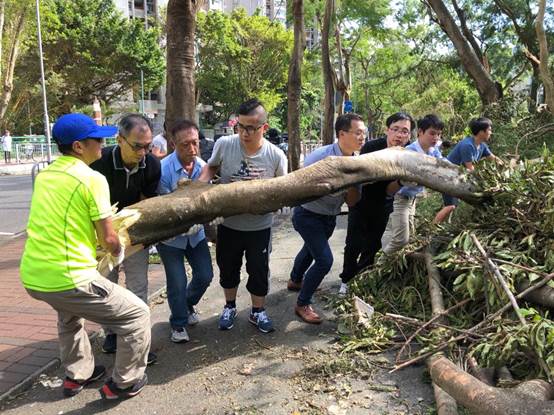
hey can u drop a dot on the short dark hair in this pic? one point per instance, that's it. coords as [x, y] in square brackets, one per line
[181, 124]
[250, 107]
[130, 121]
[430, 121]
[65, 149]
[344, 122]
[479, 124]
[399, 116]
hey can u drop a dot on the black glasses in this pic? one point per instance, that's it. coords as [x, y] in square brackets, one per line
[248, 128]
[137, 147]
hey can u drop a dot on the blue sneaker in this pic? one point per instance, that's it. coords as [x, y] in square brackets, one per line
[262, 321]
[227, 318]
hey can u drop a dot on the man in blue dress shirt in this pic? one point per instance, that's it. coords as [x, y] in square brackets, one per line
[184, 163]
[401, 220]
[466, 153]
[315, 221]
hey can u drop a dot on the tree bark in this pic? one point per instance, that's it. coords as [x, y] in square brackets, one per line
[546, 76]
[446, 405]
[327, 130]
[2, 19]
[295, 85]
[543, 296]
[7, 81]
[181, 87]
[488, 89]
[156, 219]
[483, 399]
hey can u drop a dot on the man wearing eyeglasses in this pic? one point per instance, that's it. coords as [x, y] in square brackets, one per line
[368, 219]
[133, 174]
[315, 221]
[246, 156]
[401, 220]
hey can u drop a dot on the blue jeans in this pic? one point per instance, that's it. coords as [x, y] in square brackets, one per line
[315, 258]
[181, 298]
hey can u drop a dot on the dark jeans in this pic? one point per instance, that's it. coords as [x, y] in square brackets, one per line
[255, 246]
[363, 240]
[182, 298]
[315, 258]
[450, 200]
[7, 156]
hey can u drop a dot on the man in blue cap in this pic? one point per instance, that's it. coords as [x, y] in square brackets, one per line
[70, 214]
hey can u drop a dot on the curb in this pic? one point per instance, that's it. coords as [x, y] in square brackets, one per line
[24, 384]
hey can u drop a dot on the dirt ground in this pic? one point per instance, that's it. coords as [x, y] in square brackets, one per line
[298, 369]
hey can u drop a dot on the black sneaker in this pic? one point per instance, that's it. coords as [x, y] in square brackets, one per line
[72, 387]
[110, 344]
[110, 391]
[151, 359]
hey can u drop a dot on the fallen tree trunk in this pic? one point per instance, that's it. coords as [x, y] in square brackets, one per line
[446, 405]
[543, 295]
[483, 399]
[163, 217]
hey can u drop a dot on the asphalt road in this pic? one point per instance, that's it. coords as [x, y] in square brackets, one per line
[15, 202]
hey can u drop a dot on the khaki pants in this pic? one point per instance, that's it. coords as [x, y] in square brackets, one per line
[111, 306]
[136, 277]
[401, 222]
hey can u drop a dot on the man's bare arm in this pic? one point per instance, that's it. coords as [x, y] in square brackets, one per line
[352, 196]
[207, 174]
[107, 237]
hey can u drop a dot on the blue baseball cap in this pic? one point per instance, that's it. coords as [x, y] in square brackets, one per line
[77, 127]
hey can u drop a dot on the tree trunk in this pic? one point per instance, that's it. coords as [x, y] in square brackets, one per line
[180, 92]
[327, 130]
[528, 398]
[533, 90]
[446, 405]
[543, 295]
[295, 85]
[546, 76]
[156, 219]
[7, 84]
[489, 91]
[2, 19]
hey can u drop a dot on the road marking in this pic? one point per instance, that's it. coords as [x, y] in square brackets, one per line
[7, 233]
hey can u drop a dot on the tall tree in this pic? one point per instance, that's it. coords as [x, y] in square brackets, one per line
[181, 87]
[240, 56]
[90, 49]
[489, 90]
[295, 85]
[546, 76]
[12, 34]
[327, 131]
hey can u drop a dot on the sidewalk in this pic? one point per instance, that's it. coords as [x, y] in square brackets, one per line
[16, 168]
[25, 167]
[28, 332]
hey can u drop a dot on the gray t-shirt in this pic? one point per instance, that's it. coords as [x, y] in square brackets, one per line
[235, 165]
[160, 142]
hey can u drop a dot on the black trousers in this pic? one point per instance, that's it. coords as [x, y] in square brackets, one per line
[231, 246]
[363, 240]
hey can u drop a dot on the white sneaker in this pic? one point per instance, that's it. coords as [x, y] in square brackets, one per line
[343, 290]
[193, 318]
[179, 335]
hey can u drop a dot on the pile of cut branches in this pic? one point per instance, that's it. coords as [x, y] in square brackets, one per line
[493, 268]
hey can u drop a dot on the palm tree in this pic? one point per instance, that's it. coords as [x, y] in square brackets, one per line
[181, 86]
